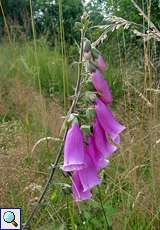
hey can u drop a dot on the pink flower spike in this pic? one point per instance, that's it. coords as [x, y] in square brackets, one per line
[101, 63]
[102, 87]
[73, 149]
[88, 176]
[77, 189]
[101, 142]
[108, 122]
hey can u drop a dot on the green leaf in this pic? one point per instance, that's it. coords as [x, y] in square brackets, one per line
[109, 210]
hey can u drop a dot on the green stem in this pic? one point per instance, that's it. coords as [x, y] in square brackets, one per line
[103, 210]
[71, 214]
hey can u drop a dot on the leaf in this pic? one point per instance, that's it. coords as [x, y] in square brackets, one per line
[109, 210]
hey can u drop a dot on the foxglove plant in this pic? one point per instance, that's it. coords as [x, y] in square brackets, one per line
[87, 153]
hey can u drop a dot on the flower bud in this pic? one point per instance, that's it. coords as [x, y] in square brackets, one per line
[84, 17]
[86, 46]
[95, 53]
[98, 59]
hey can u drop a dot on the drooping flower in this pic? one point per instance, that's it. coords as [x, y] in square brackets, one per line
[101, 142]
[99, 161]
[101, 63]
[77, 189]
[88, 176]
[101, 86]
[73, 149]
[108, 122]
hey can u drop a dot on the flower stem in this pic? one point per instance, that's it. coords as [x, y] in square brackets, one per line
[59, 152]
[103, 210]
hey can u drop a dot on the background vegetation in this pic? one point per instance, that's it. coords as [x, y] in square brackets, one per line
[39, 47]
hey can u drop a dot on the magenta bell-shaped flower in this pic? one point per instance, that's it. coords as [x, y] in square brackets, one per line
[74, 149]
[101, 142]
[101, 63]
[99, 161]
[102, 87]
[77, 189]
[108, 122]
[88, 176]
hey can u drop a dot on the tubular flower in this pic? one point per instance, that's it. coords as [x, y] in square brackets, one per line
[88, 176]
[101, 142]
[102, 87]
[108, 122]
[73, 149]
[85, 160]
[77, 189]
[99, 161]
[101, 63]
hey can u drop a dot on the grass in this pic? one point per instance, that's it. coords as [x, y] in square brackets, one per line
[18, 61]
[129, 191]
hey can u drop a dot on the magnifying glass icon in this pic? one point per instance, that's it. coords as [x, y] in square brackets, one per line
[9, 217]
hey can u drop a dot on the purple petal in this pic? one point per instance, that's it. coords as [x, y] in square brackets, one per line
[73, 149]
[99, 161]
[88, 176]
[108, 122]
[101, 142]
[102, 87]
[77, 189]
[101, 63]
